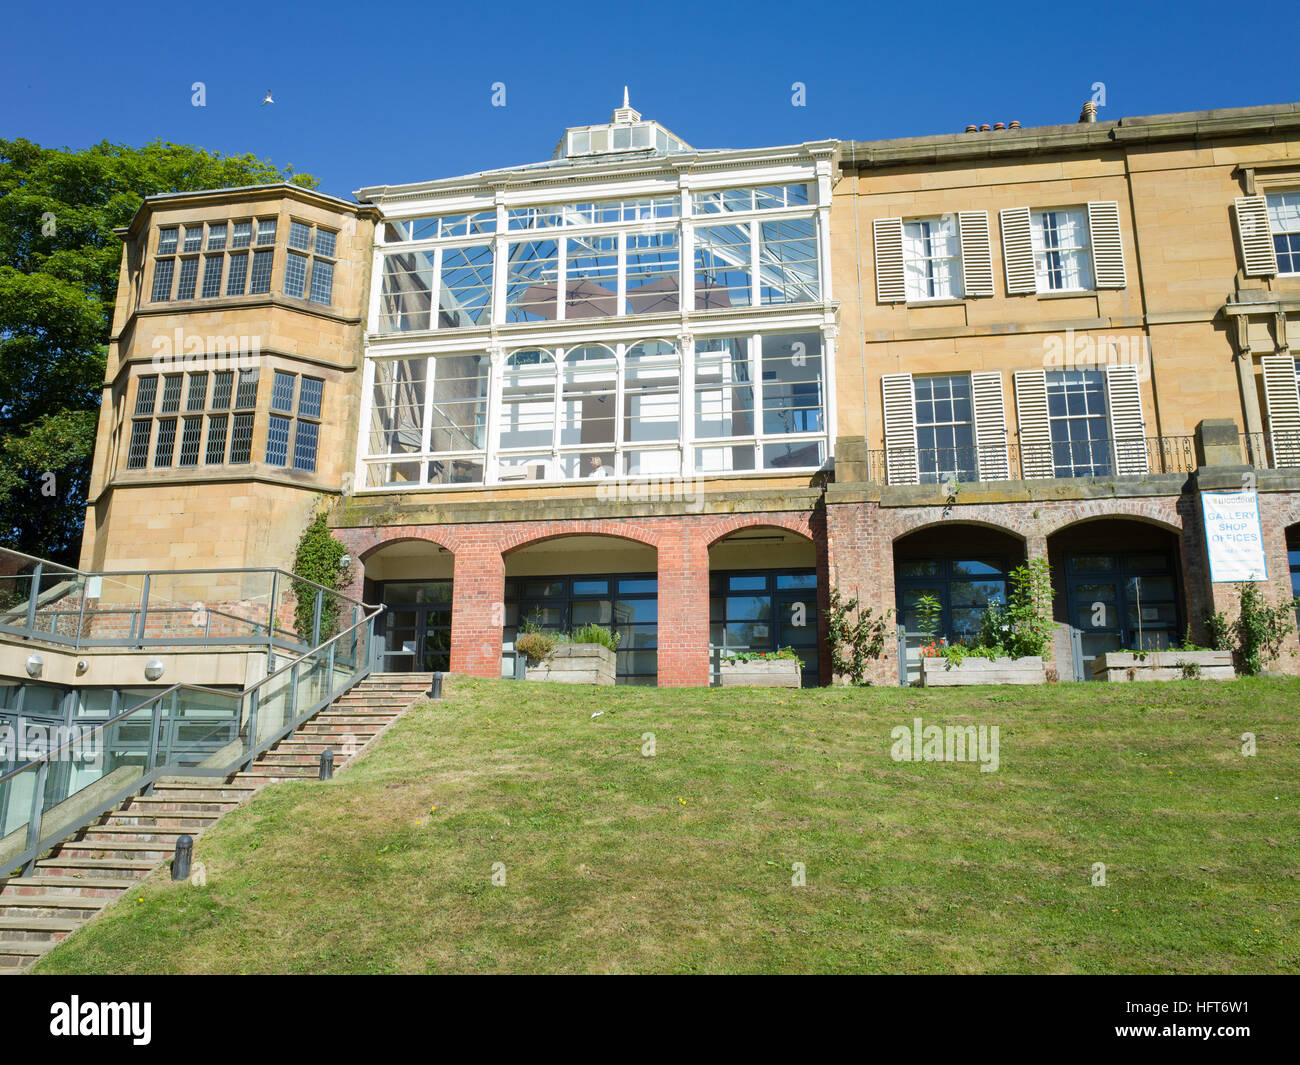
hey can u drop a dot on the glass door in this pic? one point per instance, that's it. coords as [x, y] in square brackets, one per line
[1122, 602]
[416, 626]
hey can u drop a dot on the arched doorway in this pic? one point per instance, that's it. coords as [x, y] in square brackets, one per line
[565, 582]
[964, 567]
[413, 579]
[763, 596]
[1118, 585]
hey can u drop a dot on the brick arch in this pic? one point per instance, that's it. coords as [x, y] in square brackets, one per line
[919, 523]
[365, 543]
[799, 523]
[531, 534]
[1149, 512]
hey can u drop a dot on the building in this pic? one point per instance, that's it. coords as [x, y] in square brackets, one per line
[684, 393]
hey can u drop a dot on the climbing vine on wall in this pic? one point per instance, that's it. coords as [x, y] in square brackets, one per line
[318, 559]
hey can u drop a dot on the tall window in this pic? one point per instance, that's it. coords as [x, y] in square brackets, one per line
[604, 259]
[292, 394]
[1076, 407]
[932, 259]
[440, 400]
[205, 260]
[309, 266]
[945, 428]
[1062, 261]
[1284, 221]
[787, 386]
[652, 409]
[178, 408]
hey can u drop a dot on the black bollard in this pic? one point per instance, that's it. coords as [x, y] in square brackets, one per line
[326, 765]
[435, 686]
[181, 859]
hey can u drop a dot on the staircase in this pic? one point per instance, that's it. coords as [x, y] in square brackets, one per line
[83, 874]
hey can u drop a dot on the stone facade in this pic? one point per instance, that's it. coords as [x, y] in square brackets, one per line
[1200, 323]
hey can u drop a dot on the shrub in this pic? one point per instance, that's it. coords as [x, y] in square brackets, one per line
[1260, 629]
[853, 640]
[318, 559]
[535, 646]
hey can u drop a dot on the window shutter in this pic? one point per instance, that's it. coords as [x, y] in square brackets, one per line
[1283, 404]
[888, 234]
[1107, 245]
[990, 426]
[1255, 236]
[1034, 425]
[900, 428]
[1018, 250]
[1128, 433]
[976, 252]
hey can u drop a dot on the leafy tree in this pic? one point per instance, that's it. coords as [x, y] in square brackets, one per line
[59, 263]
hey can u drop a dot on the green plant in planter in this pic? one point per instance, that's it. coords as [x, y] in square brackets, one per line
[762, 656]
[593, 633]
[535, 646]
[929, 612]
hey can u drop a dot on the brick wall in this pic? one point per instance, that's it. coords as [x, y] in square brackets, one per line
[681, 541]
[855, 553]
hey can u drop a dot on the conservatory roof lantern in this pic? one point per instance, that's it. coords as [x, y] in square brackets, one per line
[625, 132]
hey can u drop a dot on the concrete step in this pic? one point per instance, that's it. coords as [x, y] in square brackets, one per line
[166, 807]
[225, 794]
[144, 821]
[146, 833]
[32, 928]
[67, 906]
[79, 866]
[15, 954]
[115, 851]
[88, 887]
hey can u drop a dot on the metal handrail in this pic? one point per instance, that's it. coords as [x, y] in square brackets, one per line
[378, 609]
[46, 564]
[248, 697]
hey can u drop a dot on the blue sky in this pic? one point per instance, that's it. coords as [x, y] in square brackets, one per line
[402, 92]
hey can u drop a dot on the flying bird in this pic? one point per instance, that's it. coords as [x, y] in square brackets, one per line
[268, 99]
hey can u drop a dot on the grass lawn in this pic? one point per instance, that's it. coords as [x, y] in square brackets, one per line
[682, 861]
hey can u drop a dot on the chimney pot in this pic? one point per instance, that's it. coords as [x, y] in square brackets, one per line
[1089, 112]
[999, 125]
[1015, 124]
[972, 129]
[984, 127]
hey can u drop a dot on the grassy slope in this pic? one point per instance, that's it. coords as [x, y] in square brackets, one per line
[681, 862]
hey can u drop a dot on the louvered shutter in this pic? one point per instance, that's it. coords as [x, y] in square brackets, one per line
[1283, 409]
[1107, 245]
[1128, 432]
[1018, 249]
[990, 426]
[1034, 425]
[976, 252]
[900, 428]
[1255, 236]
[888, 234]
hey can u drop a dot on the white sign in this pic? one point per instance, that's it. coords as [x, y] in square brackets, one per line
[1233, 538]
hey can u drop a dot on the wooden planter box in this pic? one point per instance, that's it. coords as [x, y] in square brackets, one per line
[940, 673]
[576, 663]
[1124, 666]
[759, 673]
